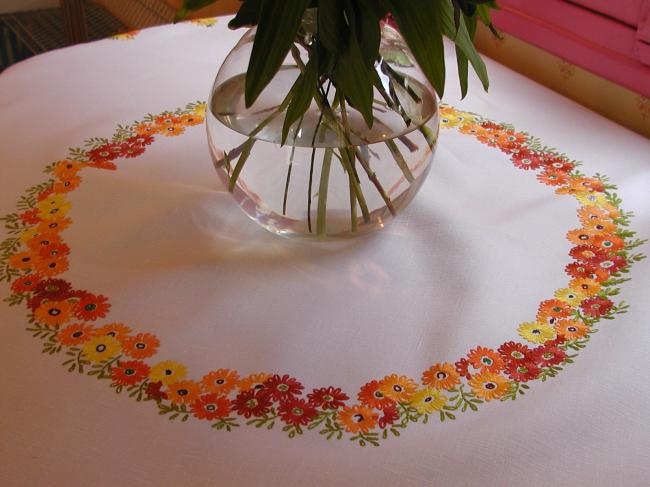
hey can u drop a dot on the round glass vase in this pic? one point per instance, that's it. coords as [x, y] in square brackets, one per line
[334, 176]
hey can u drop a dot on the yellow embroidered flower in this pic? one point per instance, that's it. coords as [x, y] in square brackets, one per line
[53, 205]
[536, 332]
[200, 109]
[426, 401]
[569, 296]
[101, 348]
[167, 372]
[597, 199]
[29, 234]
[450, 117]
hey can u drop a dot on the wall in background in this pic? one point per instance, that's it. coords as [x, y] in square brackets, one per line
[21, 5]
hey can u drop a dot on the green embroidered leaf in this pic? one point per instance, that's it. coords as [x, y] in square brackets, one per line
[276, 32]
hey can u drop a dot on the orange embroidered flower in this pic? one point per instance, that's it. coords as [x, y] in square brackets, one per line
[52, 266]
[75, 334]
[167, 119]
[554, 308]
[552, 177]
[25, 284]
[398, 388]
[100, 348]
[582, 236]
[65, 185]
[602, 226]
[172, 130]
[211, 406]
[41, 240]
[371, 396]
[183, 391]
[220, 381]
[571, 329]
[591, 212]
[23, 260]
[441, 376]
[488, 386]
[116, 330]
[190, 119]
[253, 381]
[585, 286]
[146, 129]
[587, 184]
[608, 242]
[53, 225]
[54, 312]
[485, 359]
[54, 250]
[475, 130]
[67, 168]
[142, 345]
[358, 418]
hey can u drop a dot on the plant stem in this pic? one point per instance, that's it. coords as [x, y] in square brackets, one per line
[321, 216]
[293, 152]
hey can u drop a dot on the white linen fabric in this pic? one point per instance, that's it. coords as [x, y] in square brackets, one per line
[480, 247]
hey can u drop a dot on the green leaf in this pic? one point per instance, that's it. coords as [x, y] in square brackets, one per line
[352, 77]
[420, 24]
[302, 92]
[248, 14]
[368, 32]
[463, 41]
[276, 31]
[332, 28]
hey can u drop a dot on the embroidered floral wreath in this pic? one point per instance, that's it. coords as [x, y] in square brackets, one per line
[73, 323]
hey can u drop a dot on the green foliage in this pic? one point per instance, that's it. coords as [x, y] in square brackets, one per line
[346, 44]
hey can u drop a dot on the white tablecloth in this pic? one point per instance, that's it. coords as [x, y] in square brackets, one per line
[481, 247]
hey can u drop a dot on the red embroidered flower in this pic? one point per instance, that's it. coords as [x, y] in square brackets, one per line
[75, 334]
[526, 159]
[297, 411]
[106, 152]
[515, 353]
[142, 345]
[50, 289]
[140, 139]
[485, 359]
[557, 163]
[211, 406]
[132, 150]
[580, 269]
[611, 264]
[54, 249]
[25, 284]
[30, 217]
[522, 371]
[462, 367]
[252, 402]
[154, 391]
[371, 396]
[327, 398]
[389, 417]
[92, 307]
[129, 372]
[596, 306]
[282, 388]
[586, 253]
[549, 355]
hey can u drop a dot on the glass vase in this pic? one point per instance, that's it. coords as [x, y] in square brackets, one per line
[334, 176]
